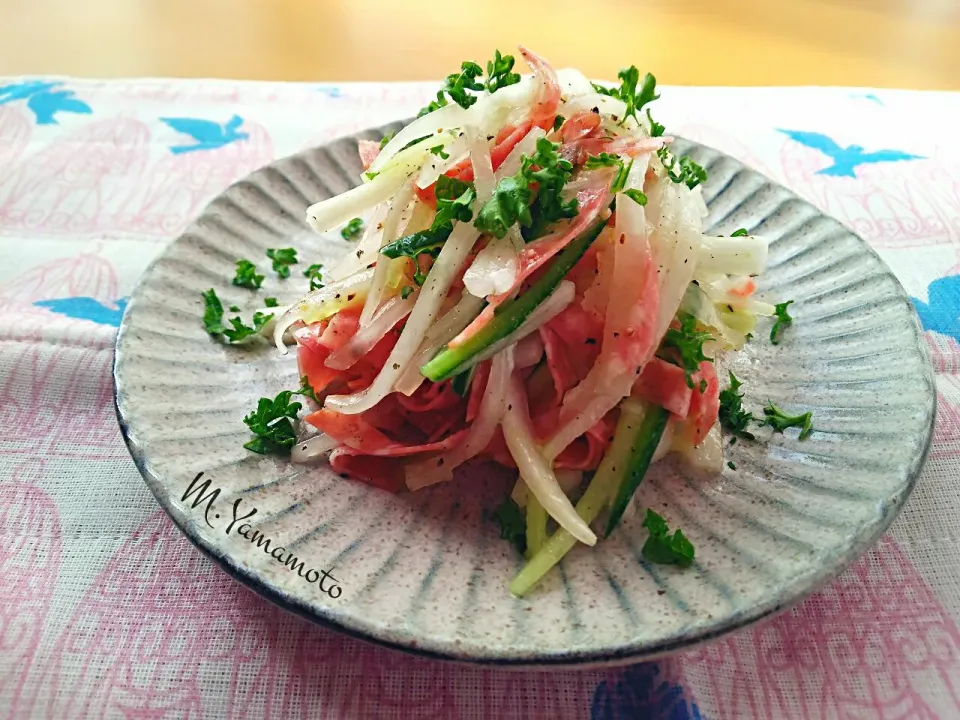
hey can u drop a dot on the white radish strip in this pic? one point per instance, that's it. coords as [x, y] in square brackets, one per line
[573, 82]
[436, 165]
[495, 268]
[446, 268]
[734, 255]
[365, 252]
[483, 178]
[440, 333]
[604, 103]
[492, 406]
[527, 146]
[277, 312]
[544, 313]
[382, 270]
[319, 304]
[392, 312]
[718, 292]
[631, 312]
[432, 126]
[488, 112]
[696, 303]
[535, 469]
[328, 214]
[312, 448]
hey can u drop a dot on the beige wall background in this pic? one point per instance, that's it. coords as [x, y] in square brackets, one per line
[885, 43]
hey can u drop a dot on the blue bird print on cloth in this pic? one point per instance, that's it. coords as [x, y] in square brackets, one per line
[941, 312]
[845, 160]
[331, 91]
[208, 134]
[85, 308]
[43, 100]
[638, 693]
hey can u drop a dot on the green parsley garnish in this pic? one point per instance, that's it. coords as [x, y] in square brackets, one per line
[732, 465]
[607, 160]
[741, 232]
[234, 308]
[370, 175]
[454, 201]
[387, 138]
[316, 277]
[282, 259]
[405, 291]
[783, 319]
[511, 202]
[499, 72]
[780, 421]
[688, 343]
[684, 170]
[602, 160]
[439, 151]
[558, 122]
[663, 548]
[656, 129]
[212, 313]
[512, 524]
[638, 197]
[246, 276]
[352, 229]
[270, 302]
[306, 389]
[458, 86]
[273, 424]
[238, 331]
[633, 98]
[733, 417]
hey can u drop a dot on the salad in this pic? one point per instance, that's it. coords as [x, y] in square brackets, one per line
[528, 283]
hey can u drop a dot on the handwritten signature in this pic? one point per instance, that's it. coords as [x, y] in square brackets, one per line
[199, 493]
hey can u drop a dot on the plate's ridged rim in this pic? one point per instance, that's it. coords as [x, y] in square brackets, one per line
[797, 590]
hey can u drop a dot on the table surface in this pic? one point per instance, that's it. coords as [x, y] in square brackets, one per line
[879, 43]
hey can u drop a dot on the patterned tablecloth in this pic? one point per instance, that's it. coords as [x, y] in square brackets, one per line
[106, 611]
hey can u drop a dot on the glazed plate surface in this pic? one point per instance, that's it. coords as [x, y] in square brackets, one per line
[427, 572]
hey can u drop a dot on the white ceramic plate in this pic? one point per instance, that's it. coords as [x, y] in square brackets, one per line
[427, 572]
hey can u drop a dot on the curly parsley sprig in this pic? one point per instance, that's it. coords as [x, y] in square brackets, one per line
[782, 321]
[512, 202]
[459, 87]
[687, 344]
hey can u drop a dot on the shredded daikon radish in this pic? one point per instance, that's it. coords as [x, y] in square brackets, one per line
[312, 448]
[382, 270]
[489, 112]
[390, 313]
[365, 251]
[745, 255]
[446, 268]
[440, 333]
[321, 303]
[527, 146]
[436, 165]
[495, 268]
[328, 214]
[536, 471]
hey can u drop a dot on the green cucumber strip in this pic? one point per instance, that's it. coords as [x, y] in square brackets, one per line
[509, 316]
[536, 525]
[597, 496]
[641, 453]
